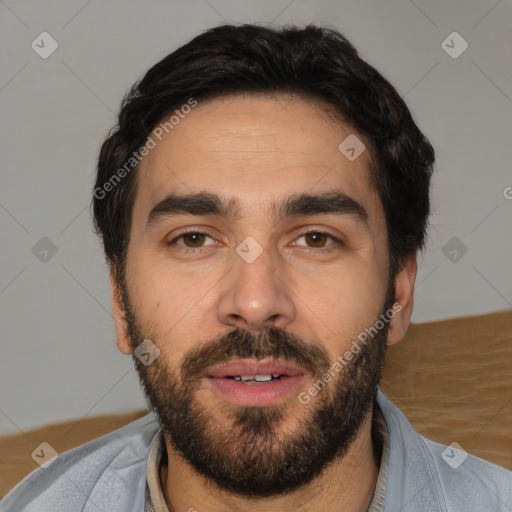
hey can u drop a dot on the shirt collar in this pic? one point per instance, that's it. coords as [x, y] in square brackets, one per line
[380, 435]
[155, 500]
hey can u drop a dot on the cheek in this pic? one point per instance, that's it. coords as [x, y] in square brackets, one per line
[354, 289]
[168, 302]
[343, 309]
[365, 295]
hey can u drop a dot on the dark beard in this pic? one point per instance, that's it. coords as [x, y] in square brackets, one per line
[252, 458]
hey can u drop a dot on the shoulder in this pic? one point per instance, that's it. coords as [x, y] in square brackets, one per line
[425, 475]
[96, 474]
[467, 481]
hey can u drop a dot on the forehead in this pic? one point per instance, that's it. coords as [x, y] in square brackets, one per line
[253, 149]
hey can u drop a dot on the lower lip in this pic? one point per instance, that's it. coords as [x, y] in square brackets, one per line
[257, 395]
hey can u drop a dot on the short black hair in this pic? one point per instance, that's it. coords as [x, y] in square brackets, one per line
[311, 62]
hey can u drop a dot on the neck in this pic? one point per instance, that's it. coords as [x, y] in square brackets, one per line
[348, 483]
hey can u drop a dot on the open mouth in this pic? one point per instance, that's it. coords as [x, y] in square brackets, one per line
[256, 379]
[255, 383]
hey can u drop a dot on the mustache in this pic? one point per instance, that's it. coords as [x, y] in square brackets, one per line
[270, 342]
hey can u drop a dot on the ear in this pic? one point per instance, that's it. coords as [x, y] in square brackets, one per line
[122, 338]
[404, 287]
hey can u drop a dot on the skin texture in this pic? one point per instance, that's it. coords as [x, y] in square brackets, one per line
[257, 149]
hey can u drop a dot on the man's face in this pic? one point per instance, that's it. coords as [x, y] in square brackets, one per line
[254, 286]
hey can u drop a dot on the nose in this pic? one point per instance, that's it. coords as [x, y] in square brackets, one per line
[256, 294]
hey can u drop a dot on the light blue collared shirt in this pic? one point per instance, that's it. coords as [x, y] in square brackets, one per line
[109, 474]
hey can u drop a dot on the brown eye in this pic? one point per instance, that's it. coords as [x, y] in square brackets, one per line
[316, 239]
[195, 239]
[191, 240]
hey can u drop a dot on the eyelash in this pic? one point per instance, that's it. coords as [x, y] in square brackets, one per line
[335, 240]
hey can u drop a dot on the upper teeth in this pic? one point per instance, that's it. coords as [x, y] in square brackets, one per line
[258, 378]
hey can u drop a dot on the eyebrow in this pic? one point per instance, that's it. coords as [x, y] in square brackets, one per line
[205, 203]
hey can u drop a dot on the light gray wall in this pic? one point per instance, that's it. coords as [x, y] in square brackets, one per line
[59, 359]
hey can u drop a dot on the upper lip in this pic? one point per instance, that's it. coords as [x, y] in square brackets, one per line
[240, 367]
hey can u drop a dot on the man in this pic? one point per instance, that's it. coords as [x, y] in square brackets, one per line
[261, 203]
